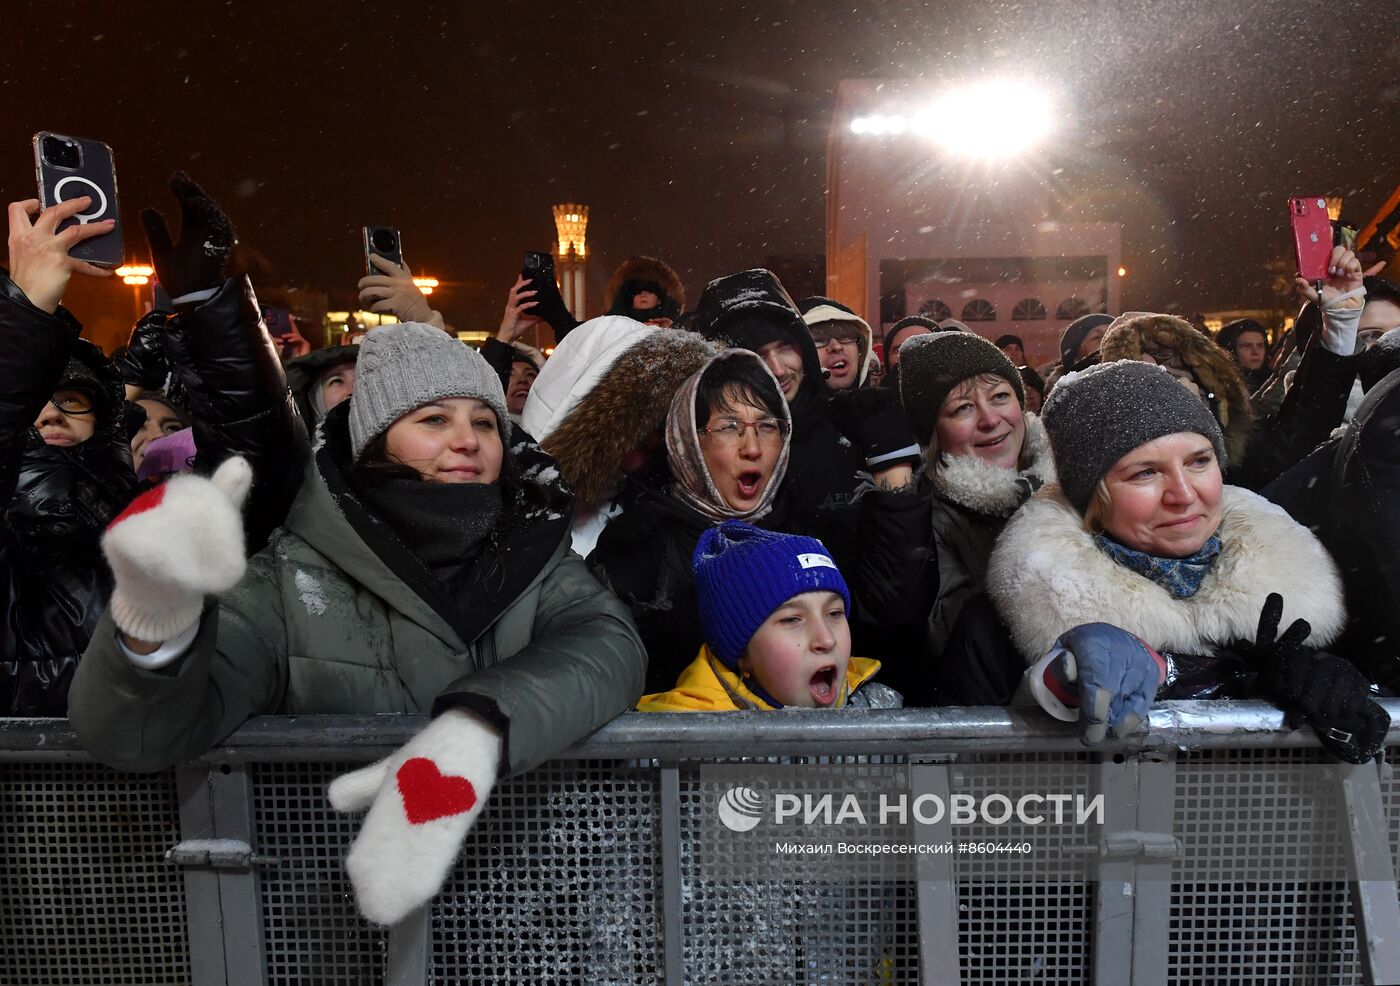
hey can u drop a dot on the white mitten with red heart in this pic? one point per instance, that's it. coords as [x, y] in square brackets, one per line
[422, 802]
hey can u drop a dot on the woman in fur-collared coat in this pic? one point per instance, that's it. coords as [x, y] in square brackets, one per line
[1141, 575]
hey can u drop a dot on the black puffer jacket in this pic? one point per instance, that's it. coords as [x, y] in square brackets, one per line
[240, 401]
[56, 502]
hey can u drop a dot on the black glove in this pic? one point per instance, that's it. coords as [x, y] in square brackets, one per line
[1320, 689]
[143, 364]
[873, 419]
[196, 262]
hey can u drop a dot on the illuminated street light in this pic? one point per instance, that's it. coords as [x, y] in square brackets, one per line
[1122, 272]
[135, 274]
[425, 284]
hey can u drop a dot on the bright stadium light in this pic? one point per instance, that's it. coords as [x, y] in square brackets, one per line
[991, 120]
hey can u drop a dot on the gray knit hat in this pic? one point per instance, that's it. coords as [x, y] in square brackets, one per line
[1096, 416]
[405, 365]
[931, 365]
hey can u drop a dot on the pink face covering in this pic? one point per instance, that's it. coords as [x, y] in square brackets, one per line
[171, 454]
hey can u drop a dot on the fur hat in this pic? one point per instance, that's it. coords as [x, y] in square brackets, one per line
[404, 365]
[1094, 417]
[623, 403]
[1134, 334]
[1074, 334]
[930, 366]
[641, 273]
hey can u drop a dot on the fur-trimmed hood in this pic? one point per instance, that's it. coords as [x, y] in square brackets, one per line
[1046, 576]
[618, 408]
[987, 489]
[640, 271]
[1215, 371]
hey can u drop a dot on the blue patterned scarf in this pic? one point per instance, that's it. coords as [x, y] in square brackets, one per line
[1179, 576]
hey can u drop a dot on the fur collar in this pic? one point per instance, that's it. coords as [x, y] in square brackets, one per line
[1046, 576]
[987, 489]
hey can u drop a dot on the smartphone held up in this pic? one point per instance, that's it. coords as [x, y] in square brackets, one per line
[1312, 236]
[383, 241]
[70, 167]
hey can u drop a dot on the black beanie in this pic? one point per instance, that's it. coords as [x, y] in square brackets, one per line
[1094, 417]
[1074, 334]
[930, 366]
[903, 324]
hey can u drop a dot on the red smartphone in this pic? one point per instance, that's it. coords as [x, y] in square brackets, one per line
[1312, 236]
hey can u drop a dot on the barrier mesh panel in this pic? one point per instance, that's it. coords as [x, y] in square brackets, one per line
[560, 882]
[1239, 914]
[86, 896]
[789, 931]
[313, 933]
[1018, 922]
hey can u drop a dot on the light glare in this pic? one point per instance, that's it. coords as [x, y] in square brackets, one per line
[996, 119]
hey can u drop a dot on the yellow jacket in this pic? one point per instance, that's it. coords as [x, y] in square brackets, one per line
[707, 685]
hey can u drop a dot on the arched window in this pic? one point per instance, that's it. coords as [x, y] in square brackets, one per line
[979, 310]
[1028, 310]
[935, 309]
[1072, 308]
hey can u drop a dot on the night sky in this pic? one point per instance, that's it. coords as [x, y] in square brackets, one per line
[695, 131]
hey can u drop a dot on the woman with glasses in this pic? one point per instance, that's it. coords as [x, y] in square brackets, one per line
[65, 467]
[727, 440]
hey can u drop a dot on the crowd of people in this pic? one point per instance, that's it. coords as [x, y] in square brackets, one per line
[745, 505]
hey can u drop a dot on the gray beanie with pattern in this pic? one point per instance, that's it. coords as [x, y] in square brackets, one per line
[1094, 417]
[405, 365]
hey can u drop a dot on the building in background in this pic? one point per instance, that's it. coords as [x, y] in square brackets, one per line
[918, 226]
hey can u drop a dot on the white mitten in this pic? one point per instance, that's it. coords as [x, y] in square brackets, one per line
[425, 798]
[172, 546]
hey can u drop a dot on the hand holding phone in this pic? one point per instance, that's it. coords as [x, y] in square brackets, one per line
[382, 241]
[1312, 236]
[71, 168]
[538, 270]
[40, 255]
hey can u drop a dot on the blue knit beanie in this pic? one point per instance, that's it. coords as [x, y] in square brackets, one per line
[744, 573]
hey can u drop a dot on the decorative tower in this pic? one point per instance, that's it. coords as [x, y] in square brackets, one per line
[571, 258]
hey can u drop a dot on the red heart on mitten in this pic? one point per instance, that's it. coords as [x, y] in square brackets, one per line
[428, 793]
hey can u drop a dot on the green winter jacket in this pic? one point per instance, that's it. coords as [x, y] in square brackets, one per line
[320, 624]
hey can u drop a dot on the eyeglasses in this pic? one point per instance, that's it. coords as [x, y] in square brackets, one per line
[73, 402]
[731, 431]
[824, 339]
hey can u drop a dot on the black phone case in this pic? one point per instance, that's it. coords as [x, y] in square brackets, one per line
[370, 248]
[96, 175]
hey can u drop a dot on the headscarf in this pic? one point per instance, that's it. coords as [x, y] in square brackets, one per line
[694, 485]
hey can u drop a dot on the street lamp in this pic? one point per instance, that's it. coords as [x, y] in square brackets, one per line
[138, 276]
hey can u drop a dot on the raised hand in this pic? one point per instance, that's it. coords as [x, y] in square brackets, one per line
[39, 261]
[515, 321]
[196, 261]
[393, 292]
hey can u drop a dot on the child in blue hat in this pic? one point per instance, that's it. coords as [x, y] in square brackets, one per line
[773, 608]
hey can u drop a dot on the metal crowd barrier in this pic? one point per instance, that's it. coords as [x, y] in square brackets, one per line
[229, 870]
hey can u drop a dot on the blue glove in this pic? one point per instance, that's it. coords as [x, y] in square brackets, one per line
[1109, 674]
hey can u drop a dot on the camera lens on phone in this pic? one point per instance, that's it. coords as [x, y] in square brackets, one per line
[384, 241]
[61, 152]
